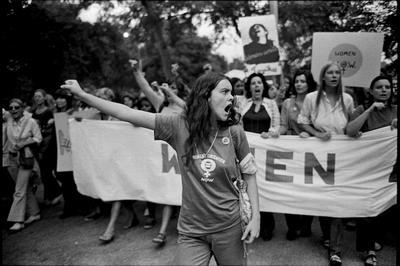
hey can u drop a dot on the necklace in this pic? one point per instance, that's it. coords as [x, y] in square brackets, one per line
[212, 144]
[207, 164]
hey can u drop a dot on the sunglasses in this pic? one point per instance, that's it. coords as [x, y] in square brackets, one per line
[13, 107]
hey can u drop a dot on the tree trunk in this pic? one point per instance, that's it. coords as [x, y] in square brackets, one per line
[157, 34]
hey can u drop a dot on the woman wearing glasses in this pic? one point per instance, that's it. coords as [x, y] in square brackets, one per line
[22, 133]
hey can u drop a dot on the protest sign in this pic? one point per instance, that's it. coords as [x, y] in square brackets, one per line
[359, 55]
[260, 44]
[64, 160]
[343, 177]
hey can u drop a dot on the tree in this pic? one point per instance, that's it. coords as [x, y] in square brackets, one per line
[298, 20]
[46, 44]
[169, 35]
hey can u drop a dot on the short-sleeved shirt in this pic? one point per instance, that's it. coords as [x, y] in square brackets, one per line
[377, 118]
[289, 114]
[326, 117]
[210, 202]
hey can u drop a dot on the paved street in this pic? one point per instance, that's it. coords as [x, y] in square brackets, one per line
[73, 241]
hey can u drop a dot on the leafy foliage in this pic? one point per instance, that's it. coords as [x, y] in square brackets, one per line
[46, 44]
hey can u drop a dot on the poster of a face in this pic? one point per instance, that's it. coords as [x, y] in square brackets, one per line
[260, 44]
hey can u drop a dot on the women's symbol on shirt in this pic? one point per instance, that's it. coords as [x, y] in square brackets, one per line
[207, 165]
[225, 140]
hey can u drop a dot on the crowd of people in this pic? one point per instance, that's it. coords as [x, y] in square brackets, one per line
[190, 120]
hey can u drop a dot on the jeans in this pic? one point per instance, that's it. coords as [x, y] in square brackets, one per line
[226, 246]
[336, 228]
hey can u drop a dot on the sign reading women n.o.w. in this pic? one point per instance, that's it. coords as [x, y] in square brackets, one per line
[358, 54]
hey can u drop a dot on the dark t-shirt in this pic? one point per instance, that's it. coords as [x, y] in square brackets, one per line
[42, 120]
[377, 118]
[210, 202]
[257, 53]
[47, 149]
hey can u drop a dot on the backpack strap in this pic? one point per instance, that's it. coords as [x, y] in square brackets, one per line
[239, 176]
[234, 144]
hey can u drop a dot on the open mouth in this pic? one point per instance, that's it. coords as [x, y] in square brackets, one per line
[228, 108]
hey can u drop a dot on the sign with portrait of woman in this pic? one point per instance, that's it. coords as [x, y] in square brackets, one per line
[260, 44]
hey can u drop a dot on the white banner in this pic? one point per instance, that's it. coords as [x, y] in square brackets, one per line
[343, 177]
[64, 159]
[358, 53]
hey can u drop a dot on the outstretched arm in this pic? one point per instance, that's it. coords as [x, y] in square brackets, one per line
[155, 98]
[120, 111]
[172, 97]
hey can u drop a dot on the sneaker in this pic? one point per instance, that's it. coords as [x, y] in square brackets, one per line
[17, 227]
[370, 259]
[160, 239]
[106, 238]
[335, 260]
[149, 222]
[32, 218]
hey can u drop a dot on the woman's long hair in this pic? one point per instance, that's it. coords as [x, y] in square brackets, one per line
[311, 84]
[34, 106]
[371, 86]
[62, 93]
[198, 111]
[322, 86]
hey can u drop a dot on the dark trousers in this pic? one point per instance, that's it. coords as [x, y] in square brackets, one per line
[51, 187]
[325, 225]
[267, 223]
[152, 209]
[366, 233]
[332, 229]
[297, 222]
[73, 200]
